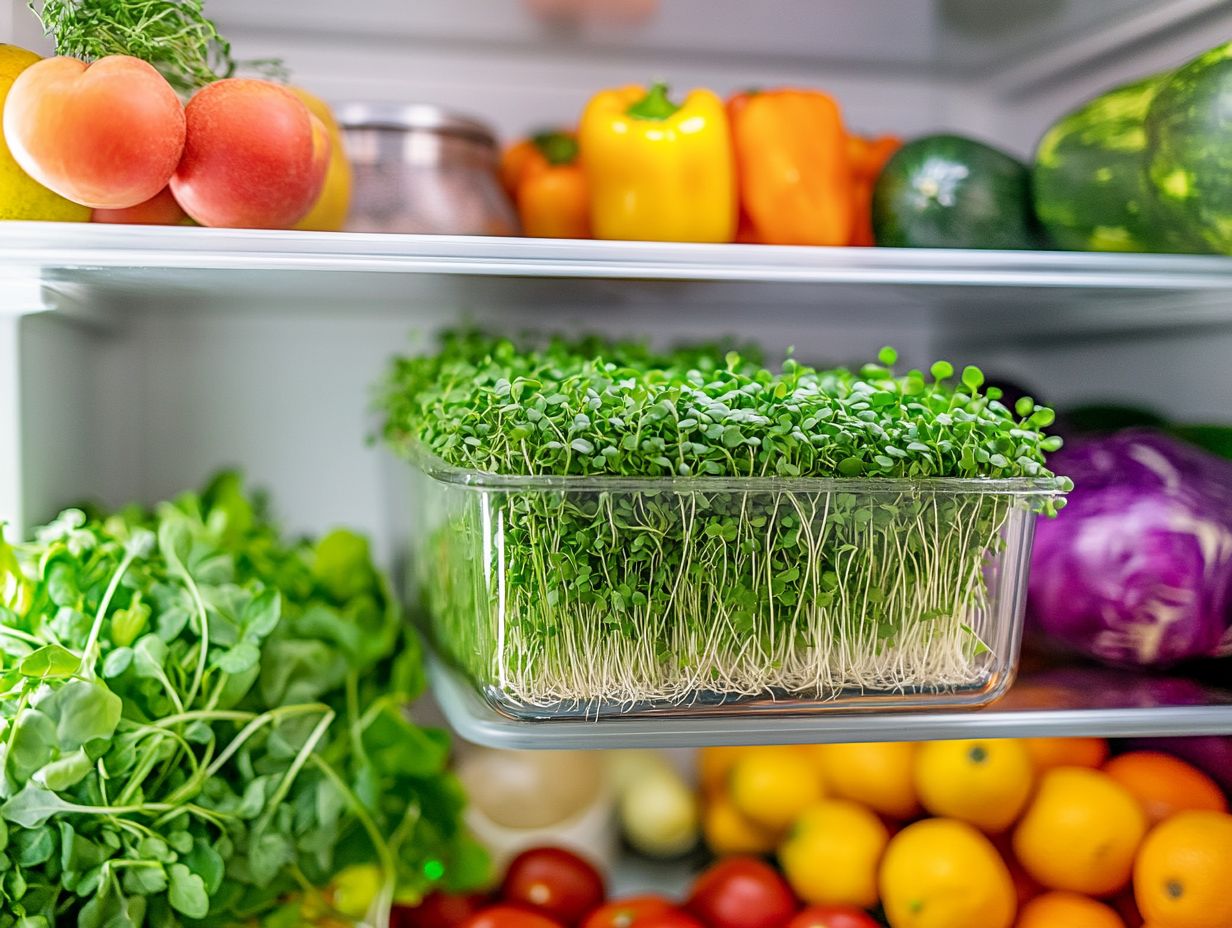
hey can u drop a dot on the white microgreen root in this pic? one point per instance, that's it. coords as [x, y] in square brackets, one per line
[618, 602]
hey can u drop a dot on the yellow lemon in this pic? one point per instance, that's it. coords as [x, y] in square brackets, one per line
[941, 873]
[773, 785]
[21, 197]
[329, 213]
[833, 852]
[984, 783]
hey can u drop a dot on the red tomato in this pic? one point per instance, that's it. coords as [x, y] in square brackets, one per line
[508, 916]
[106, 135]
[556, 882]
[742, 892]
[254, 156]
[628, 913]
[833, 916]
[439, 910]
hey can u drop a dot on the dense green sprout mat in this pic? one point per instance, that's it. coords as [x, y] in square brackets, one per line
[843, 567]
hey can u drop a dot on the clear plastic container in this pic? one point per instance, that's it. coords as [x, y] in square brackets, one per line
[592, 597]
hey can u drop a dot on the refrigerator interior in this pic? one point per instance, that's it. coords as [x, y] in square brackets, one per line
[133, 366]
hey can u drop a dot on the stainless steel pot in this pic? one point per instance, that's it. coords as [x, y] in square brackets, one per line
[419, 168]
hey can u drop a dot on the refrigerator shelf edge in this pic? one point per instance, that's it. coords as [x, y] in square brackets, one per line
[1045, 704]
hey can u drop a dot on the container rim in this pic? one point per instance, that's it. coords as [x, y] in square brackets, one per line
[1039, 487]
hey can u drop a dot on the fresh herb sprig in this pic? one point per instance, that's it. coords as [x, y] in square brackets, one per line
[175, 36]
[203, 723]
[595, 597]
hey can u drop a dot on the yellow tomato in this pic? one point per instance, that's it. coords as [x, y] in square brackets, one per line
[773, 785]
[832, 854]
[984, 783]
[941, 873]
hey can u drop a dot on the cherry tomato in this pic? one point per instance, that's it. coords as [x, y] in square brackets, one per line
[508, 916]
[742, 892]
[556, 882]
[628, 913]
[439, 910]
[833, 916]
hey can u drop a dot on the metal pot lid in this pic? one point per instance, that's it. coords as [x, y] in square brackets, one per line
[422, 117]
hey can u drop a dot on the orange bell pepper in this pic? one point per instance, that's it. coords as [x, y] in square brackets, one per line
[543, 176]
[795, 173]
[868, 156]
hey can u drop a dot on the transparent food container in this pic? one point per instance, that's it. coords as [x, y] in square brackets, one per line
[591, 597]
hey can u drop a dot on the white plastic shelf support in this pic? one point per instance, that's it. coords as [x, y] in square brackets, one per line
[19, 297]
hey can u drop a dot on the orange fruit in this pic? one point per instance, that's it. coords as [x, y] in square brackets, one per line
[879, 775]
[1047, 753]
[832, 854]
[1165, 784]
[984, 783]
[1080, 832]
[728, 832]
[1059, 909]
[941, 873]
[773, 785]
[1182, 876]
[713, 765]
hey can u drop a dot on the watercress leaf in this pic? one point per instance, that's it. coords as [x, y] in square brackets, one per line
[186, 892]
[237, 659]
[32, 743]
[31, 847]
[33, 806]
[261, 614]
[342, 564]
[268, 853]
[50, 662]
[150, 656]
[208, 864]
[146, 878]
[180, 841]
[116, 662]
[68, 771]
[89, 711]
[171, 622]
[77, 852]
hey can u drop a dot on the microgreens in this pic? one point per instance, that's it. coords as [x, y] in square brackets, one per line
[590, 596]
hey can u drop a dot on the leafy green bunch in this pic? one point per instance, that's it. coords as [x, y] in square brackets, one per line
[203, 723]
[175, 36]
[595, 408]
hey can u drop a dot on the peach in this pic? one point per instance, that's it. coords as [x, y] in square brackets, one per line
[159, 210]
[106, 135]
[254, 157]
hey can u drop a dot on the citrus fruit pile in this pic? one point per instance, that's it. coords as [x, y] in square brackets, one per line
[1036, 833]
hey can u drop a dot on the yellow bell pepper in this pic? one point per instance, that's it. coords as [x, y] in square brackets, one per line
[659, 171]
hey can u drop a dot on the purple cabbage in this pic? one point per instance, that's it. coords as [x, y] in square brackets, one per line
[1137, 569]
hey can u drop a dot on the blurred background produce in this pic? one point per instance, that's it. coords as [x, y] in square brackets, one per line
[1012, 833]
